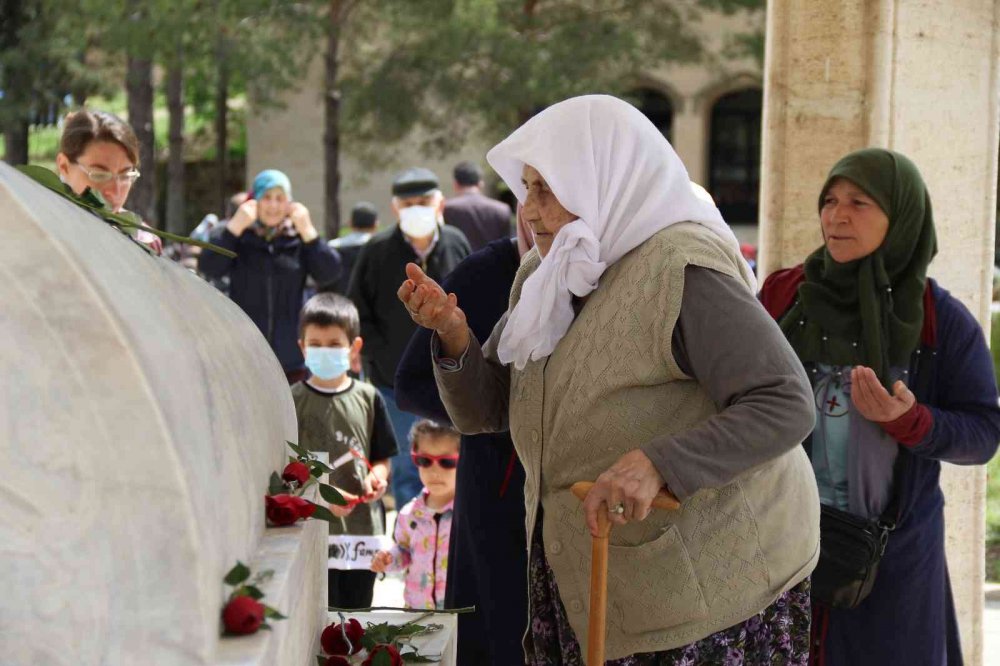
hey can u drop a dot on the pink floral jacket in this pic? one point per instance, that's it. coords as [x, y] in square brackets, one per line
[421, 550]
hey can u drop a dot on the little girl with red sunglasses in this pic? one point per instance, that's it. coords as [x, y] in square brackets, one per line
[423, 526]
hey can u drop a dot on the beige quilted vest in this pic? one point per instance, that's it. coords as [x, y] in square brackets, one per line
[610, 386]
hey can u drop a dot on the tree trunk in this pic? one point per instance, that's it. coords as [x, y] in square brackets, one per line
[15, 139]
[221, 127]
[17, 85]
[175, 164]
[331, 133]
[139, 87]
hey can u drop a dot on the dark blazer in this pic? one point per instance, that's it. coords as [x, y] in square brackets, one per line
[480, 218]
[267, 280]
[487, 558]
[380, 269]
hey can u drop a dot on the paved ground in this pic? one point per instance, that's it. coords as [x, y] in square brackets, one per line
[389, 592]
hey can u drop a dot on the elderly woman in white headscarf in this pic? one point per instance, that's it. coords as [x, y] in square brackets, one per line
[635, 353]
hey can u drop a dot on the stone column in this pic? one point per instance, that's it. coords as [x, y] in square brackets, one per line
[915, 76]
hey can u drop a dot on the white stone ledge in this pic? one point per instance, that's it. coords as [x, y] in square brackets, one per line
[297, 555]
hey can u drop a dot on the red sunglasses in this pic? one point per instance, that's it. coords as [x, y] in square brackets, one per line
[425, 460]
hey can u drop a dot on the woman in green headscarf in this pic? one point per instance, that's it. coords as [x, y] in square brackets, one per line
[903, 380]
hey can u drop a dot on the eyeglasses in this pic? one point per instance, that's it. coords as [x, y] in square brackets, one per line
[99, 177]
[445, 462]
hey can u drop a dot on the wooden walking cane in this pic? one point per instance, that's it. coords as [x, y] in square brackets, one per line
[596, 634]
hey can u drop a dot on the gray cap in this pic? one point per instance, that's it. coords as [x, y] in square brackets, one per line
[415, 182]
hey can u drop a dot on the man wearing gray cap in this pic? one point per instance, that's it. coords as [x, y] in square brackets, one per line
[419, 237]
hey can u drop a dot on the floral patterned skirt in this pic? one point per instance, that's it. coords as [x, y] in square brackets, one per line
[778, 635]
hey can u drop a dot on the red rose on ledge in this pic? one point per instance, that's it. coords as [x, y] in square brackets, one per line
[281, 509]
[296, 471]
[286, 509]
[243, 615]
[305, 508]
[332, 638]
[391, 650]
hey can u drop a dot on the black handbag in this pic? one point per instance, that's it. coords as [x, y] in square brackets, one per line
[850, 549]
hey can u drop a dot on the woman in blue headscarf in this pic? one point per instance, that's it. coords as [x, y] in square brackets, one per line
[277, 247]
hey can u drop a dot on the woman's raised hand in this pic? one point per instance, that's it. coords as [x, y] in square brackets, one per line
[245, 215]
[299, 216]
[873, 401]
[429, 306]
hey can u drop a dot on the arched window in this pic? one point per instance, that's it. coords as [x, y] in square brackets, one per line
[734, 155]
[657, 108]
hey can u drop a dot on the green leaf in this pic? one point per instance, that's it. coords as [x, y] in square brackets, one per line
[322, 513]
[46, 178]
[301, 451]
[276, 485]
[315, 471]
[414, 658]
[331, 495]
[320, 660]
[380, 633]
[367, 641]
[95, 199]
[383, 658]
[237, 574]
[273, 613]
[251, 591]
[265, 625]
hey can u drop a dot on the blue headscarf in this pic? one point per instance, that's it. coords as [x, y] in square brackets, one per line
[268, 179]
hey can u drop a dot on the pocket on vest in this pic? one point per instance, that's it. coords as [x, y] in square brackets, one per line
[653, 586]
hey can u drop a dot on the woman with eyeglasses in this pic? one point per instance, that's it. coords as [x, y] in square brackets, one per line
[99, 150]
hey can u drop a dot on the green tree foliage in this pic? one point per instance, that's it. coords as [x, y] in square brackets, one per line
[453, 67]
[42, 65]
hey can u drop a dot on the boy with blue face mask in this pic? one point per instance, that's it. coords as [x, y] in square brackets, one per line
[347, 419]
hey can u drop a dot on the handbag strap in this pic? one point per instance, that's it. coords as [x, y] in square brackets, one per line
[890, 515]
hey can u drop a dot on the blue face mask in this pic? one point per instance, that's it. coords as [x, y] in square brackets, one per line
[328, 362]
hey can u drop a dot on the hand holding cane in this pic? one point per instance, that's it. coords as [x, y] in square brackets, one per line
[599, 569]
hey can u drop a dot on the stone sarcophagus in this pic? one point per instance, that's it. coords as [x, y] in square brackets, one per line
[141, 413]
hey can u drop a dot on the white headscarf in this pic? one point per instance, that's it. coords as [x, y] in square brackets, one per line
[607, 163]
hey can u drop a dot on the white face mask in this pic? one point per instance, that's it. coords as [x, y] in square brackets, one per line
[418, 221]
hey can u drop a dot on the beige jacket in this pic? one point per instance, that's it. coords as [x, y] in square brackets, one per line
[611, 386]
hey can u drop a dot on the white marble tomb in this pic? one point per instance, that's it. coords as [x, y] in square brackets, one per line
[141, 413]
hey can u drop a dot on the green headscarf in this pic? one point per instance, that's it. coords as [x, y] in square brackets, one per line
[869, 311]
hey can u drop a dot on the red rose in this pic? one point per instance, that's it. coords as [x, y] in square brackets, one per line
[296, 471]
[282, 509]
[336, 660]
[304, 508]
[391, 650]
[243, 615]
[332, 638]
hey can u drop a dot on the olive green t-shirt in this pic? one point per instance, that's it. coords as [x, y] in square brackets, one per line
[354, 418]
